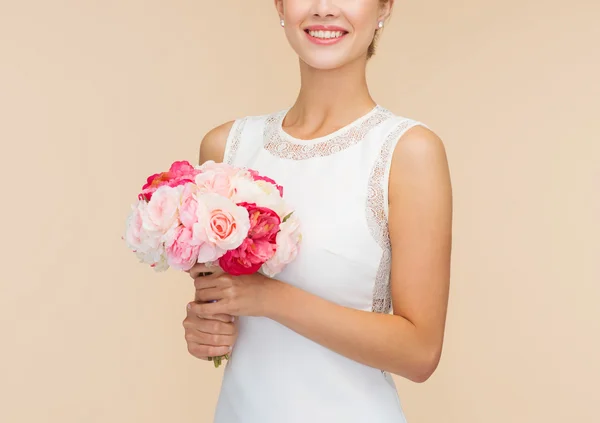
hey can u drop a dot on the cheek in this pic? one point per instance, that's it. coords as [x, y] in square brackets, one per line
[296, 11]
[362, 16]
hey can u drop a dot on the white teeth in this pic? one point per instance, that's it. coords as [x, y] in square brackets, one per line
[326, 34]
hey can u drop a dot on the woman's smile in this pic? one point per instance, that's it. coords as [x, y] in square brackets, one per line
[325, 34]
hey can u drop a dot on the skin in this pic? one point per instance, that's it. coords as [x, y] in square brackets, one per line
[408, 342]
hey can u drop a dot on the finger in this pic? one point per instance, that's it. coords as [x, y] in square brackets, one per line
[198, 269]
[210, 281]
[202, 270]
[193, 318]
[226, 318]
[224, 335]
[216, 340]
[215, 327]
[193, 334]
[206, 310]
[201, 350]
[224, 325]
[209, 294]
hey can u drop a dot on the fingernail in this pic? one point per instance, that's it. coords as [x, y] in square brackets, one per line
[189, 306]
[232, 319]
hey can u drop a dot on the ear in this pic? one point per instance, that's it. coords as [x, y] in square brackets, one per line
[279, 7]
[386, 10]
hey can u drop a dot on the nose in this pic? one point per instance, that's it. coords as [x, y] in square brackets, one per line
[325, 9]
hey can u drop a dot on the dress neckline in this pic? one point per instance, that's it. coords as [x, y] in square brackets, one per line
[290, 138]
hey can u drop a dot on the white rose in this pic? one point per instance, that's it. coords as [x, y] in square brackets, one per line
[161, 213]
[262, 193]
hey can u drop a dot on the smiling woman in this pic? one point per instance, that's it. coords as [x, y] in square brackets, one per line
[99, 93]
[320, 341]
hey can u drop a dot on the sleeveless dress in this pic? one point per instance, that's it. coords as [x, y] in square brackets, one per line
[337, 185]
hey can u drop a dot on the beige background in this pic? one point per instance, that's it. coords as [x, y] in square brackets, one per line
[95, 95]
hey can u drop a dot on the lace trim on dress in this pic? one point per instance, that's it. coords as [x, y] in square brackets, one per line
[280, 145]
[377, 219]
[234, 143]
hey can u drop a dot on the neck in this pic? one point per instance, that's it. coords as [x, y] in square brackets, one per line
[332, 95]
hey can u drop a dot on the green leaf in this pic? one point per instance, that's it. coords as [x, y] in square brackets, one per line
[287, 217]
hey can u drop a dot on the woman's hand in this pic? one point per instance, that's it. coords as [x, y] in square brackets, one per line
[245, 295]
[208, 336]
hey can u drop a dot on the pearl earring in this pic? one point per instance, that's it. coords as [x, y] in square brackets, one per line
[282, 22]
[380, 24]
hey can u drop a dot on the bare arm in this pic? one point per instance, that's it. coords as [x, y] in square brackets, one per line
[409, 342]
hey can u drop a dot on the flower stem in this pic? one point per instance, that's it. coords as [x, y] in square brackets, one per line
[217, 361]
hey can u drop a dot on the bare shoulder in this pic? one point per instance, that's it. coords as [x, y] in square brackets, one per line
[419, 153]
[420, 188]
[421, 144]
[212, 146]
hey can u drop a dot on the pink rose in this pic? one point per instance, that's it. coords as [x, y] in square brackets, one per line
[147, 245]
[188, 206]
[162, 210]
[220, 178]
[217, 181]
[212, 166]
[264, 222]
[248, 257]
[180, 173]
[258, 247]
[288, 242]
[257, 177]
[134, 231]
[183, 169]
[222, 226]
[181, 251]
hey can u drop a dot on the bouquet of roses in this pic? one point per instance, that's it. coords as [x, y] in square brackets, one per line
[214, 214]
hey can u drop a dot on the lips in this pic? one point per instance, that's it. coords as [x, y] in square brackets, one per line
[325, 34]
[325, 29]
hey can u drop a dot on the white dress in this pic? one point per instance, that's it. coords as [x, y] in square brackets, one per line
[338, 187]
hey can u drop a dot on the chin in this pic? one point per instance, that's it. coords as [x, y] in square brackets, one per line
[324, 63]
[327, 61]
